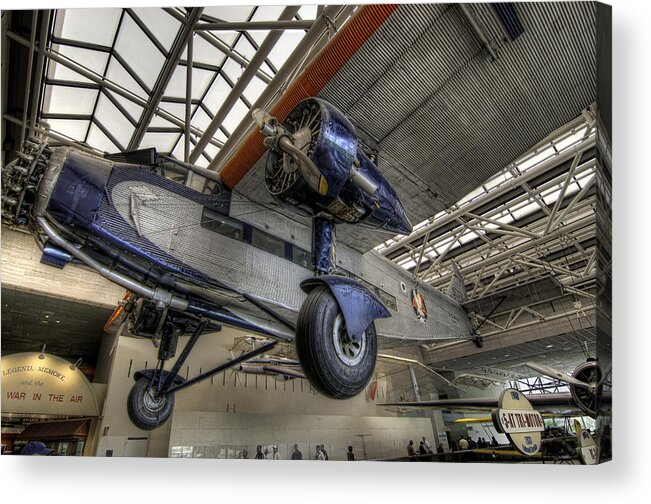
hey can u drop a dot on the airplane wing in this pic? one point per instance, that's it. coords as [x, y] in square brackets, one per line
[556, 402]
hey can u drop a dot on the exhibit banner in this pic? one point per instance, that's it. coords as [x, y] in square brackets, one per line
[45, 384]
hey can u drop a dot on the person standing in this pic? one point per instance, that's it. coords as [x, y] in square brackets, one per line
[325, 453]
[427, 444]
[297, 454]
[319, 454]
[421, 449]
[410, 448]
[463, 444]
[276, 455]
[350, 454]
[266, 453]
[258, 452]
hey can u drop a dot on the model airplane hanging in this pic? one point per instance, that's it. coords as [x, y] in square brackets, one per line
[586, 396]
[190, 265]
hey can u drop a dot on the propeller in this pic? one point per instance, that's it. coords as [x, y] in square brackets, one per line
[557, 375]
[283, 140]
[585, 383]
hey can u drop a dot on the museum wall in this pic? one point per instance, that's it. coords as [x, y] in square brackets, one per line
[224, 435]
[22, 269]
[230, 393]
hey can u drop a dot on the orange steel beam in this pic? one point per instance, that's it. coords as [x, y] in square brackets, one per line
[312, 80]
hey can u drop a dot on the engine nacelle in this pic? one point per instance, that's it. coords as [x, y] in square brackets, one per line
[351, 188]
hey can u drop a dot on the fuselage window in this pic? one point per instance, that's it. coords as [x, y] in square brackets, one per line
[221, 224]
[301, 257]
[388, 300]
[267, 242]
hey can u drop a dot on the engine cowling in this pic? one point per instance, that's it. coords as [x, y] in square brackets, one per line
[351, 187]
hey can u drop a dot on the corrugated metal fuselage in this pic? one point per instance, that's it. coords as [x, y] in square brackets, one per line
[226, 244]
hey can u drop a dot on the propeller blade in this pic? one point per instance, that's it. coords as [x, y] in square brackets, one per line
[308, 169]
[557, 375]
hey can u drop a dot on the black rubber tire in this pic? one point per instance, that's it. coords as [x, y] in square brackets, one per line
[143, 416]
[315, 347]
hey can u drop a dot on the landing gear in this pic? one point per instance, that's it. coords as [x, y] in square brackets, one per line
[147, 407]
[151, 400]
[336, 364]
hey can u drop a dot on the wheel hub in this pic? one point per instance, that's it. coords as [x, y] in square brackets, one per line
[152, 401]
[349, 352]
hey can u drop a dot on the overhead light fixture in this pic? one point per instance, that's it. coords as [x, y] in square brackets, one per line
[76, 364]
[42, 354]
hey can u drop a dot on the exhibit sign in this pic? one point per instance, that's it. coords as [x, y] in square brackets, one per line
[587, 447]
[521, 423]
[45, 384]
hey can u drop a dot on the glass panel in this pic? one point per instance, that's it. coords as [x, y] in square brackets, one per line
[200, 119]
[113, 120]
[233, 69]
[308, 12]
[301, 257]
[163, 142]
[89, 25]
[217, 94]
[254, 89]
[218, 223]
[235, 116]
[229, 13]
[176, 109]
[118, 75]
[92, 60]
[97, 139]
[245, 48]
[179, 150]
[267, 13]
[134, 110]
[160, 23]
[204, 52]
[139, 52]
[269, 243]
[211, 150]
[284, 47]
[67, 100]
[176, 86]
[73, 129]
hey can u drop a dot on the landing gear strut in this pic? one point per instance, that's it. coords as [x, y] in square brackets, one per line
[151, 400]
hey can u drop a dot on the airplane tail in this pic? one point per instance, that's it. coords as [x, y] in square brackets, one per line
[457, 288]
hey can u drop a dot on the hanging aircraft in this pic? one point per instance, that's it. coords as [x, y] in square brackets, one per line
[586, 396]
[191, 266]
[194, 261]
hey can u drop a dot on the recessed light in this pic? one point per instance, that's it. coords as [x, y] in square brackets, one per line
[549, 346]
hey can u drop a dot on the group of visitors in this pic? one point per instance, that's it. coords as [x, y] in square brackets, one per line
[319, 454]
[424, 448]
[471, 444]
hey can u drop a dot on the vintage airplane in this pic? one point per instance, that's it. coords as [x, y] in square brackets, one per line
[191, 265]
[586, 396]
